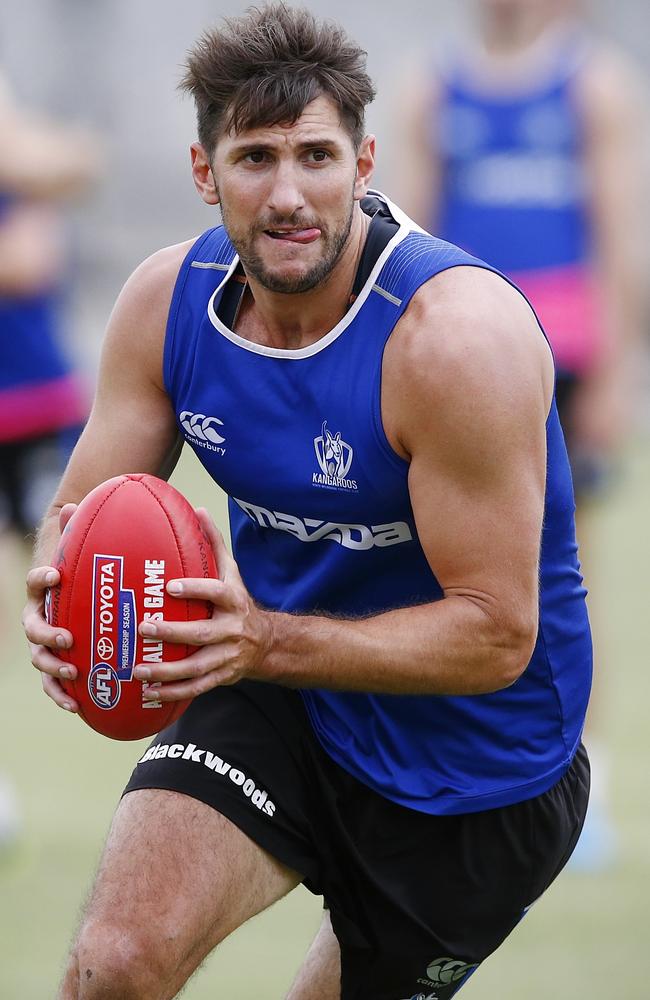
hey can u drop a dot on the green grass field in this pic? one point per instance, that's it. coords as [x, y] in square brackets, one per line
[585, 940]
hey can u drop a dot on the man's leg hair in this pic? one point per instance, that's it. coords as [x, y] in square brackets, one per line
[319, 976]
[175, 879]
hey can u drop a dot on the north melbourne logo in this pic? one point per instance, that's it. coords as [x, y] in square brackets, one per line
[334, 457]
[203, 431]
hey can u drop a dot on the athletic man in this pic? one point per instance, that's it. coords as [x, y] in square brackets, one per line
[523, 148]
[389, 705]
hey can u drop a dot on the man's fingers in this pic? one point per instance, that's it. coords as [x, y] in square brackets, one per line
[65, 514]
[40, 633]
[214, 591]
[48, 663]
[204, 632]
[54, 691]
[225, 562]
[40, 578]
[204, 662]
[189, 689]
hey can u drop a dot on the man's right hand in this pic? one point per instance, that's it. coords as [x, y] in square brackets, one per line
[44, 639]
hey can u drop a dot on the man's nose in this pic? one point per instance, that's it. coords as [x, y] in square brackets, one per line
[286, 195]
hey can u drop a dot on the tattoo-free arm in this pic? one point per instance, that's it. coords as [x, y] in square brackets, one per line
[467, 386]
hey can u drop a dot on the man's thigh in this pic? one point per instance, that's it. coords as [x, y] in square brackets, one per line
[417, 902]
[176, 878]
[319, 976]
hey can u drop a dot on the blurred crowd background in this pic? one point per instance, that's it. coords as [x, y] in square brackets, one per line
[106, 72]
[113, 65]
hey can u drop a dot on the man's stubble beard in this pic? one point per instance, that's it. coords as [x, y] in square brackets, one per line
[333, 246]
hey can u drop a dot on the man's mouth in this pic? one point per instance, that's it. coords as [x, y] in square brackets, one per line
[294, 235]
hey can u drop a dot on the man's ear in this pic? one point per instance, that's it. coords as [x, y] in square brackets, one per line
[365, 167]
[202, 174]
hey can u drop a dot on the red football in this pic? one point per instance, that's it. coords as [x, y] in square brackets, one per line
[124, 543]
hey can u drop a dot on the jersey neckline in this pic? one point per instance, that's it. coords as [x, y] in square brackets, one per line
[405, 226]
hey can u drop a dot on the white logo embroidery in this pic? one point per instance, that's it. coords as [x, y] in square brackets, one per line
[350, 536]
[334, 459]
[104, 648]
[202, 430]
[180, 751]
[448, 970]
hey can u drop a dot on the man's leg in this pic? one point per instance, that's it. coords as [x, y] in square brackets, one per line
[319, 976]
[175, 879]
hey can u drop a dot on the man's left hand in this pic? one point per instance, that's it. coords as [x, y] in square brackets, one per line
[232, 643]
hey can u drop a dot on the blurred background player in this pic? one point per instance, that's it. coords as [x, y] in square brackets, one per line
[523, 147]
[42, 396]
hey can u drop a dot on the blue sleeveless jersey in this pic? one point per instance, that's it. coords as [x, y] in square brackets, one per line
[515, 192]
[321, 521]
[39, 391]
[514, 189]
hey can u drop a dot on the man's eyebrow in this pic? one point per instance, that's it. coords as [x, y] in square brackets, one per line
[307, 142]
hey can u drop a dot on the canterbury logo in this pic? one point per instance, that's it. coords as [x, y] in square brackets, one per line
[448, 970]
[198, 425]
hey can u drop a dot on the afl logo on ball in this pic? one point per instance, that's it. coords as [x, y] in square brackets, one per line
[104, 686]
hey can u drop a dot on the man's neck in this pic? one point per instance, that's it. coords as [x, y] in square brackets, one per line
[516, 32]
[519, 53]
[290, 322]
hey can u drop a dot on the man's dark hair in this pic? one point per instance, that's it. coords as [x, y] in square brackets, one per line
[265, 67]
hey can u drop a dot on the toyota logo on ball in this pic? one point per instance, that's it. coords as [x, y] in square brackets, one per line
[104, 648]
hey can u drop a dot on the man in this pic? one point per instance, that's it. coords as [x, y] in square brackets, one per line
[524, 148]
[42, 398]
[379, 408]
[42, 401]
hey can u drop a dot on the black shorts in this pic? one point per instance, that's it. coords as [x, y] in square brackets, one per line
[416, 901]
[30, 471]
[591, 471]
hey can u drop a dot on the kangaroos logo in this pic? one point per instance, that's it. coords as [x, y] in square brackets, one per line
[334, 459]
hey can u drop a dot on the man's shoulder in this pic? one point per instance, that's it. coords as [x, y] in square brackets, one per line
[161, 268]
[147, 293]
[468, 352]
[468, 307]
[610, 81]
[140, 314]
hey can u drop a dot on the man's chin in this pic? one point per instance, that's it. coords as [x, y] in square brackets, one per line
[288, 279]
[289, 284]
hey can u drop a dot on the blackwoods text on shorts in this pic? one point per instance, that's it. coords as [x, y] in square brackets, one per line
[190, 752]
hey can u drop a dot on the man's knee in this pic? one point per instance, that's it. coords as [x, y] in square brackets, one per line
[116, 961]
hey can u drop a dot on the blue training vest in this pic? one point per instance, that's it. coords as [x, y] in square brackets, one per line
[321, 521]
[514, 184]
[40, 392]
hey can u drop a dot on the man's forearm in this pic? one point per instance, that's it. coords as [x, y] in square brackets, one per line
[47, 538]
[449, 647]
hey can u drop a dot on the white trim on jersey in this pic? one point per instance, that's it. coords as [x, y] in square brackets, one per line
[405, 227]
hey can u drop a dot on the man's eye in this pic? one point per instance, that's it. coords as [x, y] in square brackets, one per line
[256, 156]
[319, 155]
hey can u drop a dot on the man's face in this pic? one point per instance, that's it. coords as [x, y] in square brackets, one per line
[287, 196]
[500, 8]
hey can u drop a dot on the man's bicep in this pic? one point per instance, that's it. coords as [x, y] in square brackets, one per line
[477, 439]
[132, 426]
[126, 432]
[479, 514]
